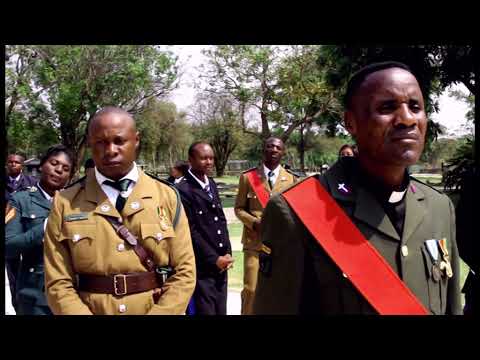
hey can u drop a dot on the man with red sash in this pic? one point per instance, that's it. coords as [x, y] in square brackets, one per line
[365, 237]
[254, 190]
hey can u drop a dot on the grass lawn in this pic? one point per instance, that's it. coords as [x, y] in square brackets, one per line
[235, 275]
[235, 230]
[227, 179]
[228, 202]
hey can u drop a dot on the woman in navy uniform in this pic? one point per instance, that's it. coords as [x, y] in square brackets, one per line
[26, 225]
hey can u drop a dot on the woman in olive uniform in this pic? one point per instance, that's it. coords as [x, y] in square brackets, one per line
[25, 228]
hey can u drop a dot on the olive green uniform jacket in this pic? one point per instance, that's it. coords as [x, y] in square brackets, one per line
[304, 280]
[79, 239]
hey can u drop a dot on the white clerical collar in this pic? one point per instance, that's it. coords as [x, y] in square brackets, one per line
[396, 196]
[132, 175]
[276, 171]
[203, 184]
[47, 196]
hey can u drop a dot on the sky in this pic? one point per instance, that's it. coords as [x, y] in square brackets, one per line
[451, 114]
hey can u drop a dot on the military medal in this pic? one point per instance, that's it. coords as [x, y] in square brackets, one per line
[436, 272]
[445, 263]
[163, 216]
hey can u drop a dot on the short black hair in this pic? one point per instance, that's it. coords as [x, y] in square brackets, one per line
[18, 154]
[191, 149]
[182, 166]
[359, 77]
[55, 150]
[108, 110]
[345, 146]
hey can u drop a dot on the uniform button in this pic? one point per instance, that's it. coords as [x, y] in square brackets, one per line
[120, 247]
[200, 212]
[33, 216]
[215, 218]
[219, 232]
[122, 308]
[220, 244]
[213, 206]
[76, 237]
[31, 269]
[120, 220]
[404, 250]
[344, 275]
[159, 236]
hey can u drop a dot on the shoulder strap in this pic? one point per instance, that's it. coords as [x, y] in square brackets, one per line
[257, 186]
[126, 235]
[366, 268]
[179, 201]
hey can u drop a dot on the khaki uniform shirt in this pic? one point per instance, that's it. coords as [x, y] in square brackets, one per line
[78, 239]
[248, 208]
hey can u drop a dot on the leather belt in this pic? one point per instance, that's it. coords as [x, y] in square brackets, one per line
[119, 284]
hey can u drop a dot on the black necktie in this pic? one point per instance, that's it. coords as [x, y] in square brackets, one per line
[121, 186]
[270, 175]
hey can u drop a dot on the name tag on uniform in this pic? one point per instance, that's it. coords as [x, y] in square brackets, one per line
[75, 217]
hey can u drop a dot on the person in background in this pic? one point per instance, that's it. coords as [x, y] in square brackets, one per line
[178, 171]
[15, 180]
[26, 225]
[346, 150]
[208, 226]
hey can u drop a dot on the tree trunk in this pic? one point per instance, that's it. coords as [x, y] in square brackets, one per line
[301, 148]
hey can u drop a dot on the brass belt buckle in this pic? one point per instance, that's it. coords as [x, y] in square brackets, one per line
[115, 282]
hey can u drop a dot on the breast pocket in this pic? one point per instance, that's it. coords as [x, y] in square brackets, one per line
[81, 240]
[157, 238]
[33, 218]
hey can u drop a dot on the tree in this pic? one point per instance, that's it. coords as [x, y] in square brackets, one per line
[435, 66]
[165, 133]
[73, 82]
[282, 83]
[217, 121]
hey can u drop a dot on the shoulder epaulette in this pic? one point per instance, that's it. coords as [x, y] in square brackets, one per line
[245, 171]
[80, 181]
[179, 201]
[427, 185]
[293, 173]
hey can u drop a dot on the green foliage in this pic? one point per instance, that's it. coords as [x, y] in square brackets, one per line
[460, 163]
[73, 82]
[164, 133]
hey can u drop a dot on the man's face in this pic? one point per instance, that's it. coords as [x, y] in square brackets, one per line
[56, 171]
[14, 165]
[273, 151]
[202, 160]
[388, 118]
[114, 141]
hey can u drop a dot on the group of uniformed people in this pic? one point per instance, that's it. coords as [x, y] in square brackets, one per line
[362, 238]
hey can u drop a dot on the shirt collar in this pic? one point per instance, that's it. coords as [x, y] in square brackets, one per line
[15, 178]
[203, 184]
[276, 171]
[47, 196]
[132, 175]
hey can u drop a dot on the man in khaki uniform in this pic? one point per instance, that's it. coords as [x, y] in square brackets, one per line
[249, 210]
[90, 268]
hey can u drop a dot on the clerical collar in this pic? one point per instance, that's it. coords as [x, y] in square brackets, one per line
[378, 188]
